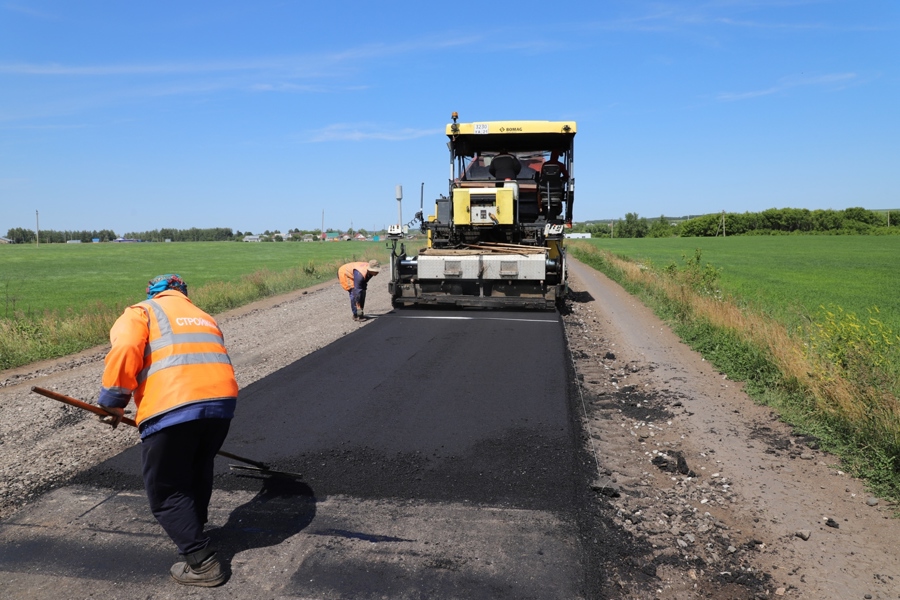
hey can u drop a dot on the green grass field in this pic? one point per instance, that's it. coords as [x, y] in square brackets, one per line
[789, 276]
[73, 277]
[832, 374]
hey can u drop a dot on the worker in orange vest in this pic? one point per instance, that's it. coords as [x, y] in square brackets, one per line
[170, 356]
[354, 278]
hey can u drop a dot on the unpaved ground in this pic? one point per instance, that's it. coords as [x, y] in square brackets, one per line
[750, 510]
[43, 443]
[709, 489]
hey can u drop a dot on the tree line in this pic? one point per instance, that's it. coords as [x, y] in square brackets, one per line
[774, 221]
[20, 235]
[194, 234]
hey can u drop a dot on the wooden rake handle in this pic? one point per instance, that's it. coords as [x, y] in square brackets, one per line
[99, 411]
[78, 403]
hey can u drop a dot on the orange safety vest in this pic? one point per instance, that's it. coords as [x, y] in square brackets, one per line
[169, 353]
[345, 273]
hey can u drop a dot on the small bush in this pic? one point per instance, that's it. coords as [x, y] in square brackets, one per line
[861, 350]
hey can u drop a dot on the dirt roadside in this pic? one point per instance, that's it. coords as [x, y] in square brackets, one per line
[44, 443]
[724, 501]
[728, 501]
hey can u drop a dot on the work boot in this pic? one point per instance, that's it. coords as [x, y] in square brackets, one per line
[208, 573]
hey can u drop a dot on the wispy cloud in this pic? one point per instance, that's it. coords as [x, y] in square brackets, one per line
[304, 88]
[28, 11]
[49, 127]
[358, 132]
[341, 71]
[68, 105]
[13, 183]
[754, 4]
[749, 24]
[295, 66]
[833, 81]
[662, 17]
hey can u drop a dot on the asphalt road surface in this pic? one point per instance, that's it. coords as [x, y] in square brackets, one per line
[441, 457]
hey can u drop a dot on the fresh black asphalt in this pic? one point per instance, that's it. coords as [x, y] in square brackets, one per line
[472, 407]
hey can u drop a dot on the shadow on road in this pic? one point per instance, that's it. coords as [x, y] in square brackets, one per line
[282, 508]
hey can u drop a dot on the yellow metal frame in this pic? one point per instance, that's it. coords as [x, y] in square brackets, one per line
[555, 249]
[510, 127]
[504, 205]
[461, 214]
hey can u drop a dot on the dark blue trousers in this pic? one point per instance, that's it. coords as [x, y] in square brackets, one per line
[357, 297]
[178, 476]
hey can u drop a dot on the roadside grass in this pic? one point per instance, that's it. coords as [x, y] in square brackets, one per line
[61, 277]
[787, 277]
[831, 375]
[66, 301]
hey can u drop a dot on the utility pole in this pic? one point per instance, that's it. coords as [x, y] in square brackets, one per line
[322, 236]
[37, 229]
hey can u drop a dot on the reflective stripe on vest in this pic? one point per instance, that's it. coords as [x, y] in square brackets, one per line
[167, 338]
[181, 368]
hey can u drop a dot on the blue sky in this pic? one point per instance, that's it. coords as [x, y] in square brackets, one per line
[263, 114]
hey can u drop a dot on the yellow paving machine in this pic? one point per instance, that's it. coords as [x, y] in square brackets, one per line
[496, 239]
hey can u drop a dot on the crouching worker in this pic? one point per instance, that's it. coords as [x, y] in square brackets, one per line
[354, 278]
[171, 357]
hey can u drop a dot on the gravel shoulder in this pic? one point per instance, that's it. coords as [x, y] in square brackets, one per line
[718, 497]
[727, 500]
[44, 443]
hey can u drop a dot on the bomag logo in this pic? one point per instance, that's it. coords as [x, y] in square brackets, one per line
[510, 129]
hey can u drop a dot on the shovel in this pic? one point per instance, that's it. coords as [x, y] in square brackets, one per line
[251, 466]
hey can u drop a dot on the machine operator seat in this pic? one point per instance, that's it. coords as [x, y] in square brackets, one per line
[550, 185]
[505, 166]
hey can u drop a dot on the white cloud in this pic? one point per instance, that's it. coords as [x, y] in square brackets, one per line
[28, 11]
[307, 65]
[50, 69]
[283, 86]
[658, 17]
[341, 132]
[13, 183]
[832, 80]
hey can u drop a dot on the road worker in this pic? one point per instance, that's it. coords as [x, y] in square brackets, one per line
[171, 357]
[354, 278]
[554, 160]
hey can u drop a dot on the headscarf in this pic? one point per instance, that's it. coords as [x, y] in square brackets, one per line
[161, 283]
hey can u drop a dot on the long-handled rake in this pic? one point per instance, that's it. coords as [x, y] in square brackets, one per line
[251, 466]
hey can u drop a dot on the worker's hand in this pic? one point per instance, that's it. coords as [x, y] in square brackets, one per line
[114, 417]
